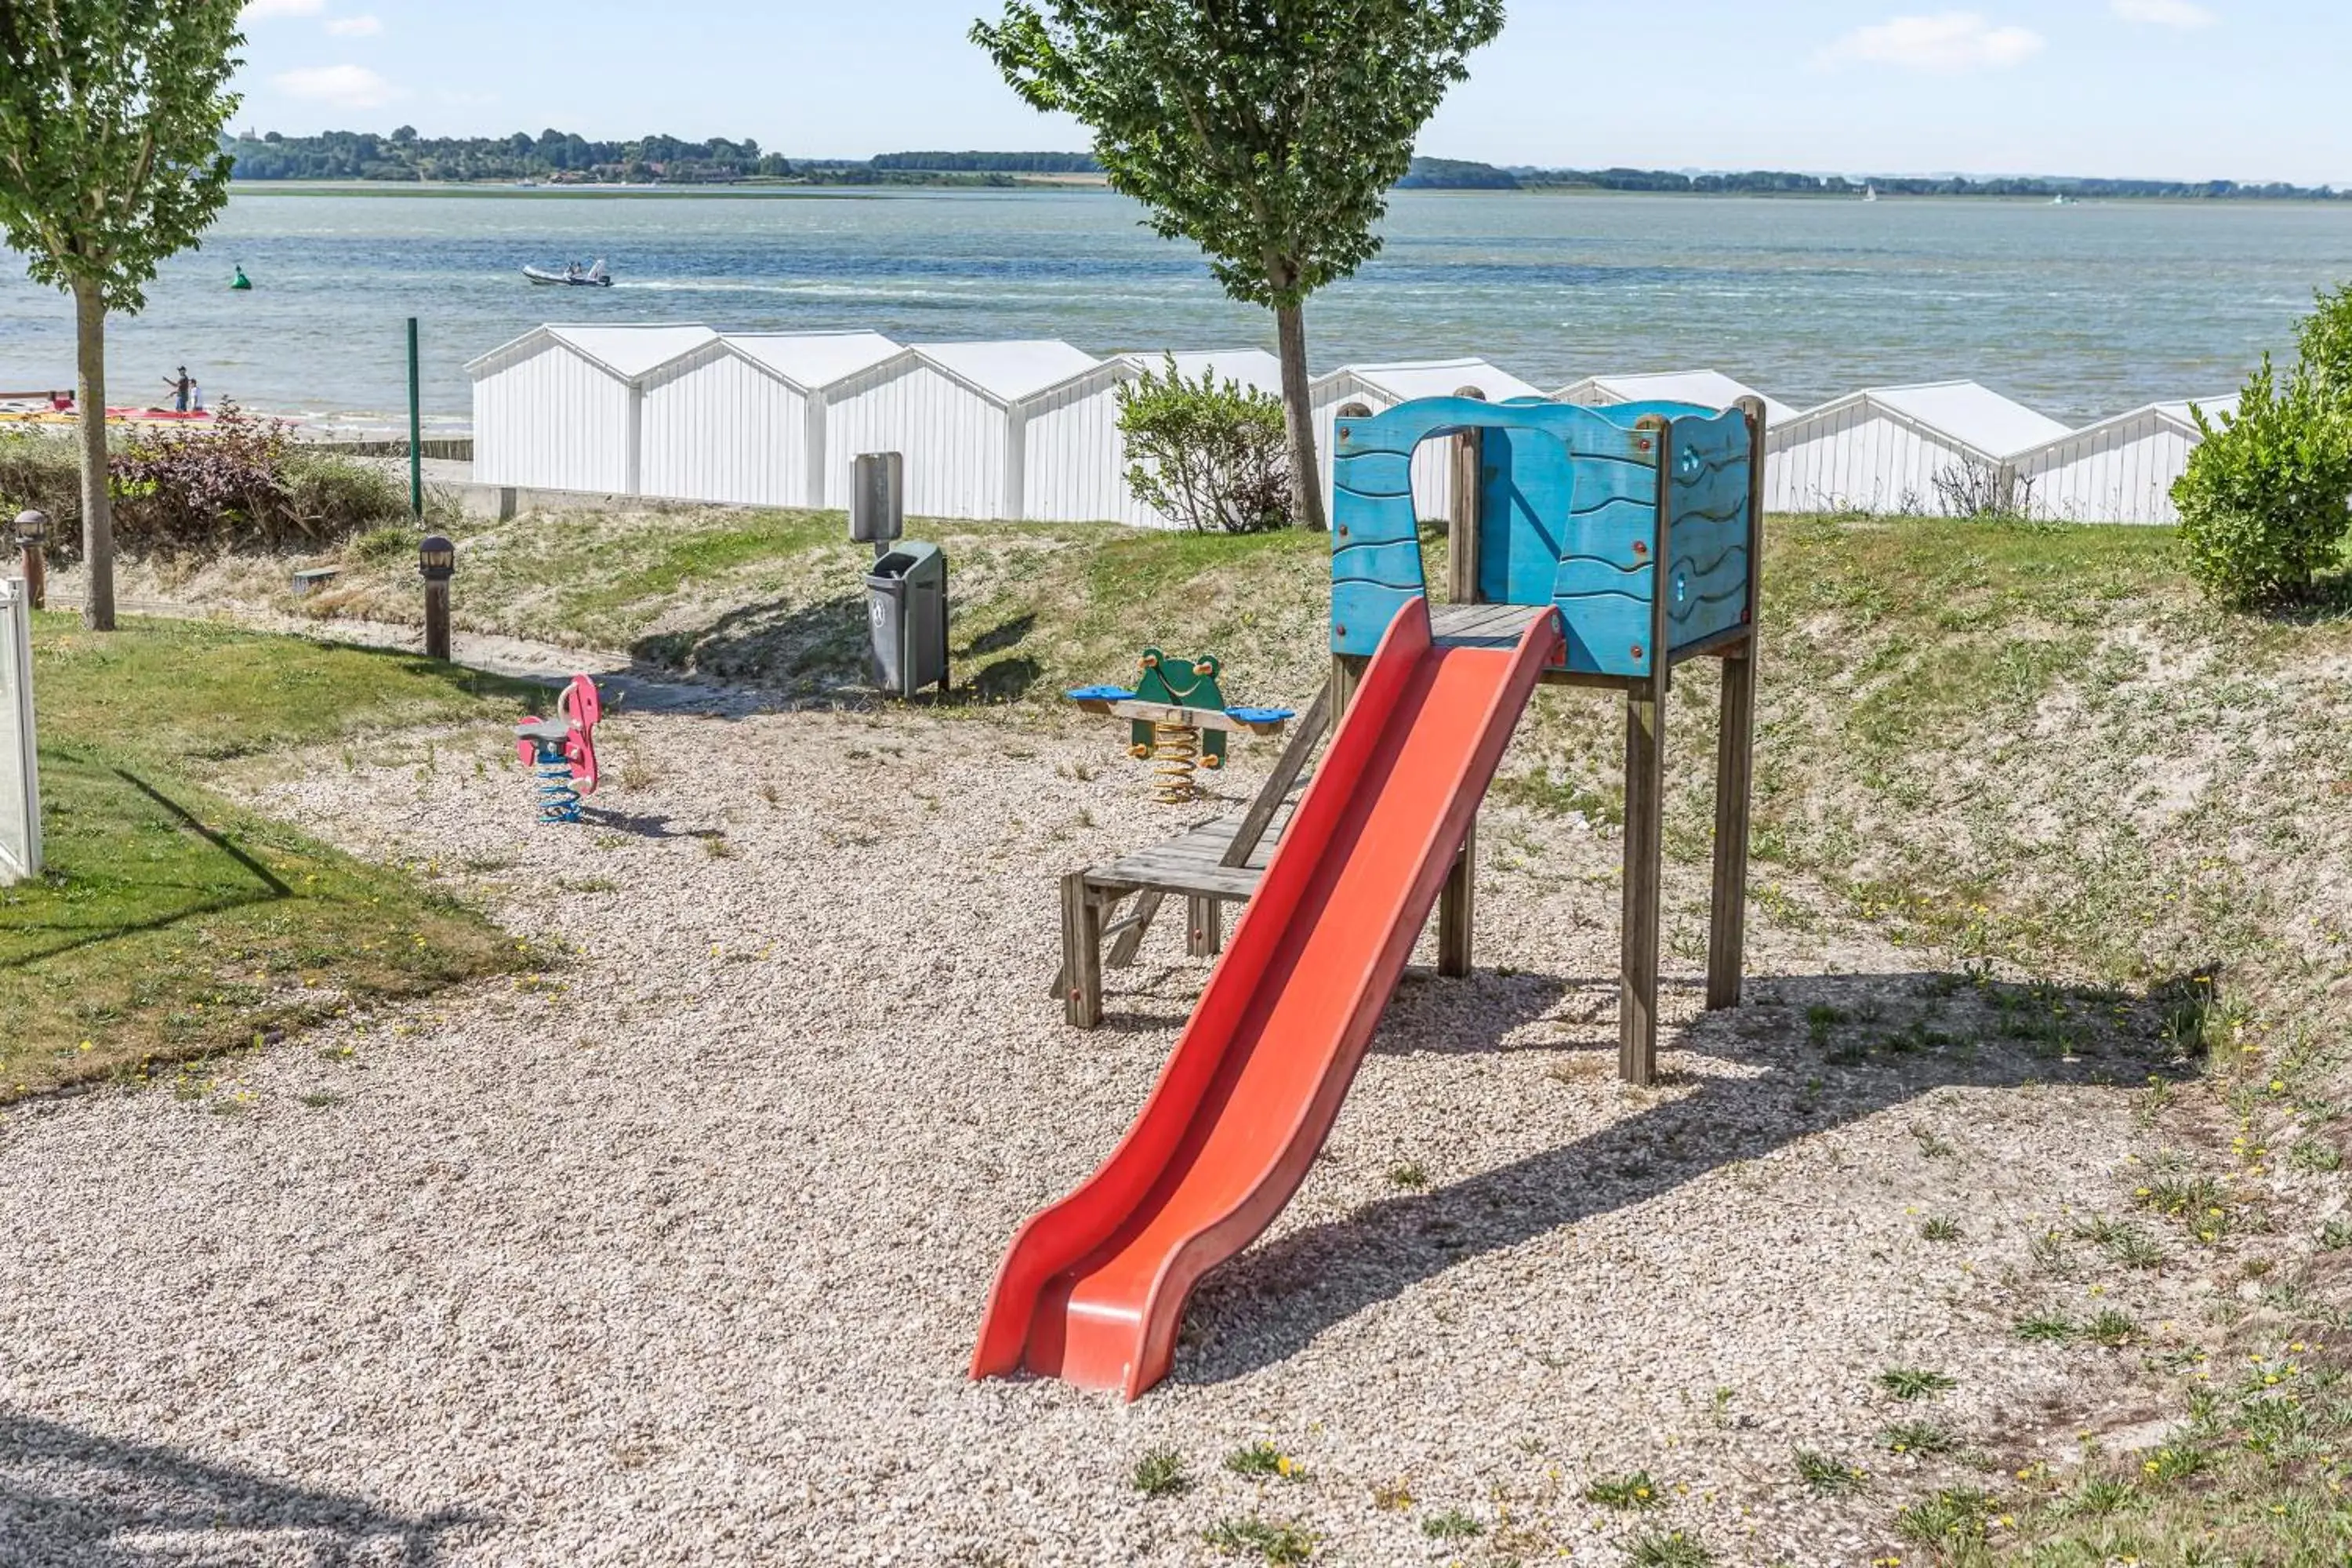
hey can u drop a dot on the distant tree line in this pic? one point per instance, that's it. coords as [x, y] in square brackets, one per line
[1447, 174]
[561, 157]
[989, 163]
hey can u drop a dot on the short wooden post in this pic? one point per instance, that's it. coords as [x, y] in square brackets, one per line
[37, 578]
[436, 563]
[1204, 927]
[437, 621]
[1081, 952]
[1457, 911]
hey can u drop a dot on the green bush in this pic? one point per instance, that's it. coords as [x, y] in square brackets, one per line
[2264, 502]
[1209, 455]
[2324, 342]
[235, 483]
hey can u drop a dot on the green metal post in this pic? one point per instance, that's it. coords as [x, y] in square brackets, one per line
[416, 432]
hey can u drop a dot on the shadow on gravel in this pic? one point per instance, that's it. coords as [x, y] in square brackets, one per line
[71, 1497]
[1813, 1053]
[641, 825]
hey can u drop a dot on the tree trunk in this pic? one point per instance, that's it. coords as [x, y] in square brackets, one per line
[1306, 479]
[89, 412]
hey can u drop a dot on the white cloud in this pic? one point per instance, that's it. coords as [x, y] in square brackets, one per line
[263, 10]
[1948, 41]
[339, 86]
[354, 27]
[2179, 13]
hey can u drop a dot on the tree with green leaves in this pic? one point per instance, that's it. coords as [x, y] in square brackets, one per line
[110, 115]
[1267, 134]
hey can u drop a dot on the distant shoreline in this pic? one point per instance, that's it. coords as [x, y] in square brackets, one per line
[1066, 184]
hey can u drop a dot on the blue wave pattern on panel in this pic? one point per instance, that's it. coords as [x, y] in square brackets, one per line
[1708, 494]
[1568, 517]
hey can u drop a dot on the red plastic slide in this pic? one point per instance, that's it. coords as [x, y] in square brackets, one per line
[1093, 1287]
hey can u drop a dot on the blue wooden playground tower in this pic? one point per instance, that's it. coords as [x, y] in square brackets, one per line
[1642, 526]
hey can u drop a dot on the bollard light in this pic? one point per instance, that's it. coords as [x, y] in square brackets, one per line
[32, 527]
[436, 559]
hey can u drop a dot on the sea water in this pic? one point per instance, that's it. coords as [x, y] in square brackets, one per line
[2080, 311]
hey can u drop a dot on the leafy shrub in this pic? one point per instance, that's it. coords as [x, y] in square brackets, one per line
[1210, 455]
[235, 483]
[2264, 502]
[2324, 342]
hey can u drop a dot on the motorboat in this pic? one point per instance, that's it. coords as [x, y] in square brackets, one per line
[592, 277]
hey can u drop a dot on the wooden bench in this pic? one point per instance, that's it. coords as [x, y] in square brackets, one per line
[1208, 866]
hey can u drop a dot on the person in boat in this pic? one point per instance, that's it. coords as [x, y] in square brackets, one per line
[570, 269]
[196, 398]
[181, 384]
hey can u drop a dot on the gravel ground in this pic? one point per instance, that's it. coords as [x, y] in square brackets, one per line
[677, 1255]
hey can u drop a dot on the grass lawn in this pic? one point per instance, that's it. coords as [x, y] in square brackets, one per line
[170, 923]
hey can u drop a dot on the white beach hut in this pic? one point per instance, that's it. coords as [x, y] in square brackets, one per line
[1899, 448]
[1381, 387]
[953, 409]
[1707, 388]
[1073, 461]
[558, 408]
[741, 419]
[2118, 470]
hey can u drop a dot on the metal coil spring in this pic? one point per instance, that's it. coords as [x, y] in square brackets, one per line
[559, 801]
[1175, 757]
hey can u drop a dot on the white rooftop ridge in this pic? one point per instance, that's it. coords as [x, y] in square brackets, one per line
[812, 359]
[1010, 370]
[1706, 388]
[1976, 415]
[1407, 379]
[630, 352]
[1252, 368]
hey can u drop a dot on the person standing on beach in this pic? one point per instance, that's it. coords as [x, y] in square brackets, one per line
[180, 385]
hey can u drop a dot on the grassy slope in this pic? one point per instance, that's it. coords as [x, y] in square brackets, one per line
[2028, 748]
[171, 924]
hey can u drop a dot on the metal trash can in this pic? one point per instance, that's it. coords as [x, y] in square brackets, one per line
[906, 618]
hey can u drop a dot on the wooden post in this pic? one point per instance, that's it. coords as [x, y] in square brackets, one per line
[1204, 927]
[1645, 788]
[1735, 757]
[1081, 952]
[437, 621]
[36, 576]
[1637, 1006]
[1465, 514]
[1457, 904]
[1457, 911]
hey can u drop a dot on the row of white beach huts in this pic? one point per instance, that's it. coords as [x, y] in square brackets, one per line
[1029, 430]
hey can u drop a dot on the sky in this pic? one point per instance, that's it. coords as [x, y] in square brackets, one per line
[2149, 88]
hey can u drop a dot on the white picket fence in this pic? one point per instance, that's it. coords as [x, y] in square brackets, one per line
[20, 776]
